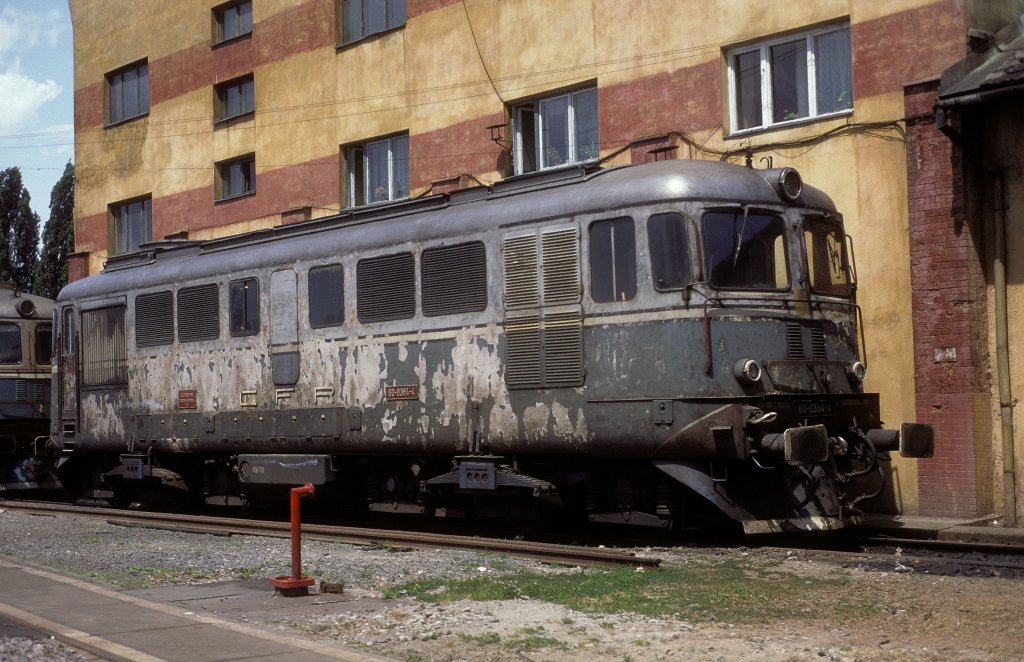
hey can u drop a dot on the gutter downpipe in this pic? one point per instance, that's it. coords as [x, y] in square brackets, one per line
[999, 284]
[1002, 349]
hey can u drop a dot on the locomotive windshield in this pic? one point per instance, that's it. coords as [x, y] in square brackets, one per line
[826, 257]
[745, 250]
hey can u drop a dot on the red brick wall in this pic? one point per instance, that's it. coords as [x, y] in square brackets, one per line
[949, 315]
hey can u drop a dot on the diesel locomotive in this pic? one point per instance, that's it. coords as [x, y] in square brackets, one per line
[25, 349]
[651, 344]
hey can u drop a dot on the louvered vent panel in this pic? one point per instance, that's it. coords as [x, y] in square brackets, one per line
[39, 389]
[561, 260]
[520, 263]
[454, 279]
[522, 360]
[20, 389]
[386, 288]
[154, 319]
[794, 342]
[199, 313]
[563, 350]
[818, 352]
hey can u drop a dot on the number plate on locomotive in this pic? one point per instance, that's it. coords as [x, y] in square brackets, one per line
[811, 408]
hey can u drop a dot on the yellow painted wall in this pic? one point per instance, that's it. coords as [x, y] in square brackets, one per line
[464, 61]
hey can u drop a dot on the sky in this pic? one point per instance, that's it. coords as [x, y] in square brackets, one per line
[36, 94]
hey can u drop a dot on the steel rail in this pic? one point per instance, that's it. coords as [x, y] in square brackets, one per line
[537, 551]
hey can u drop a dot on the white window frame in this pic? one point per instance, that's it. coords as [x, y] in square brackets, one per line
[533, 107]
[356, 162]
[764, 50]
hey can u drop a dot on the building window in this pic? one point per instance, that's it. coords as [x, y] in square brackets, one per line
[232, 20]
[326, 296]
[234, 98]
[236, 178]
[127, 93]
[244, 307]
[131, 225]
[612, 260]
[378, 171]
[793, 78]
[362, 18]
[556, 131]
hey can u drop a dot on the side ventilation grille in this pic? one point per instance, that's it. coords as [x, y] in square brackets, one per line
[794, 342]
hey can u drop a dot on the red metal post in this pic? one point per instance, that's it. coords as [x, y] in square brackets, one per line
[295, 584]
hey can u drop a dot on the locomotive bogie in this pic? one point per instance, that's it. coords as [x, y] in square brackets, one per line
[617, 343]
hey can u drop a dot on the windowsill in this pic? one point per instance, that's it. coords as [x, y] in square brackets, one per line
[232, 198]
[347, 44]
[112, 125]
[226, 121]
[800, 121]
[224, 42]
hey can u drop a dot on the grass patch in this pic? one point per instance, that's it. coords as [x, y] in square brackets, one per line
[734, 590]
[485, 639]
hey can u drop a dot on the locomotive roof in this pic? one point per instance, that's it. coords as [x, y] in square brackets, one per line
[549, 195]
[42, 308]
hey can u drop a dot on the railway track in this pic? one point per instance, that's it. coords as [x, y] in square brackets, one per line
[537, 551]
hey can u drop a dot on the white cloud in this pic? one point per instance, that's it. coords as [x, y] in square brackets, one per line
[22, 98]
[21, 29]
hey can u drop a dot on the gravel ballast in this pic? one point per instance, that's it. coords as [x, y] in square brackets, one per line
[924, 615]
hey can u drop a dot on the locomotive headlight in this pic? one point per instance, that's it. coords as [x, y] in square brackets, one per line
[747, 371]
[858, 371]
[790, 183]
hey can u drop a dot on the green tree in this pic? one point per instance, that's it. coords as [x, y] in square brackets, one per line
[58, 237]
[19, 227]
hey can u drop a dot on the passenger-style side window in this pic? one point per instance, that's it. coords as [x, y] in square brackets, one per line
[612, 260]
[244, 307]
[326, 296]
[670, 254]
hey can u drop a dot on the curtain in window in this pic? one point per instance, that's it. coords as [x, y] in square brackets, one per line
[377, 183]
[834, 71]
[748, 89]
[400, 167]
[585, 108]
[789, 81]
[554, 123]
